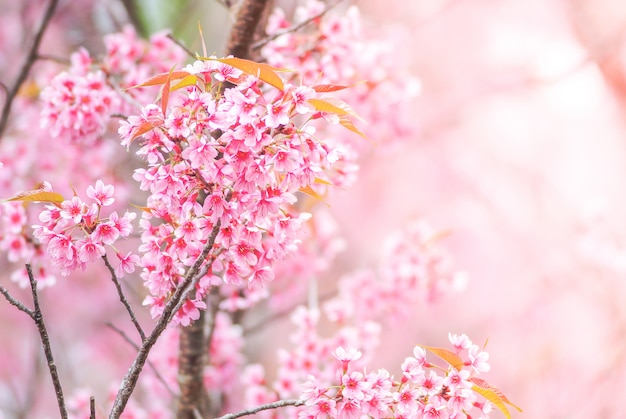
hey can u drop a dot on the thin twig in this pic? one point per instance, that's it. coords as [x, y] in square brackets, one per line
[150, 363]
[274, 405]
[92, 407]
[45, 340]
[123, 299]
[16, 303]
[180, 44]
[261, 43]
[182, 292]
[28, 64]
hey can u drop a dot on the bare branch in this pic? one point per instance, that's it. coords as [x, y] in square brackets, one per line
[150, 364]
[182, 292]
[123, 299]
[31, 57]
[16, 303]
[45, 340]
[274, 405]
[181, 45]
[92, 407]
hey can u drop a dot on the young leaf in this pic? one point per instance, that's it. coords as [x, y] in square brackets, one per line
[202, 38]
[493, 398]
[165, 92]
[262, 71]
[140, 130]
[189, 80]
[448, 356]
[144, 209]
[347, 123]
[325, 88]
[160, 79]
[38, 195]
[482, 384]
[309, 191]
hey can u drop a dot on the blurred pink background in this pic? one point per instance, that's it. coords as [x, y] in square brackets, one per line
[520, 153]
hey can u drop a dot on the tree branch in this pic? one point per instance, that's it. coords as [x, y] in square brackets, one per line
[45, 340]
[182, 292]
[274, 405]
[150, 364]
[31, 57]
[242, 32]
[123, 299]
[16, 303]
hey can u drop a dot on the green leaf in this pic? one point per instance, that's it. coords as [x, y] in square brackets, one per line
[262, 71]
[447, 355]
[38, 195]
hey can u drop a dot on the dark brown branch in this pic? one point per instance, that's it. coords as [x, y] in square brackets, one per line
[242, 32]
[182, 292]
[31, 57]
[150, 364]
[274, 405]
[123, 299]
[45, 340]
[192, 358]
[92, 407]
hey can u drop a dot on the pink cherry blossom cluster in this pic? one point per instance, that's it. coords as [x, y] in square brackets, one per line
[230, 158]
[425, 390]
[332, 47]
[76, 232]
[414, 268]
[79, 103]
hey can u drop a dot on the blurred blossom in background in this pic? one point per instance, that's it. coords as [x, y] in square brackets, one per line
[513, 146]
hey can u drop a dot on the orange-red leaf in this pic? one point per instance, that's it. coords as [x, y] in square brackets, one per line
[448, 356]
[144, 209]
[189, 80]
[262, 71]
[328, 107]
[483, 385]
[493, 398]
[325, 88]
[309, 191]
[38, 195]
[347, 123]
[141, 129]
[165, 93]
[160, 79]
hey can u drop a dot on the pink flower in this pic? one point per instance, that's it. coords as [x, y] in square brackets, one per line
[102, 194]
[105, 233]
[127, 264]
[73, 209]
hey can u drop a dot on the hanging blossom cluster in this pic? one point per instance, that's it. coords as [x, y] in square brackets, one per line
[226, 154]
[76, 232]
[78, 103]
[425, 390]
